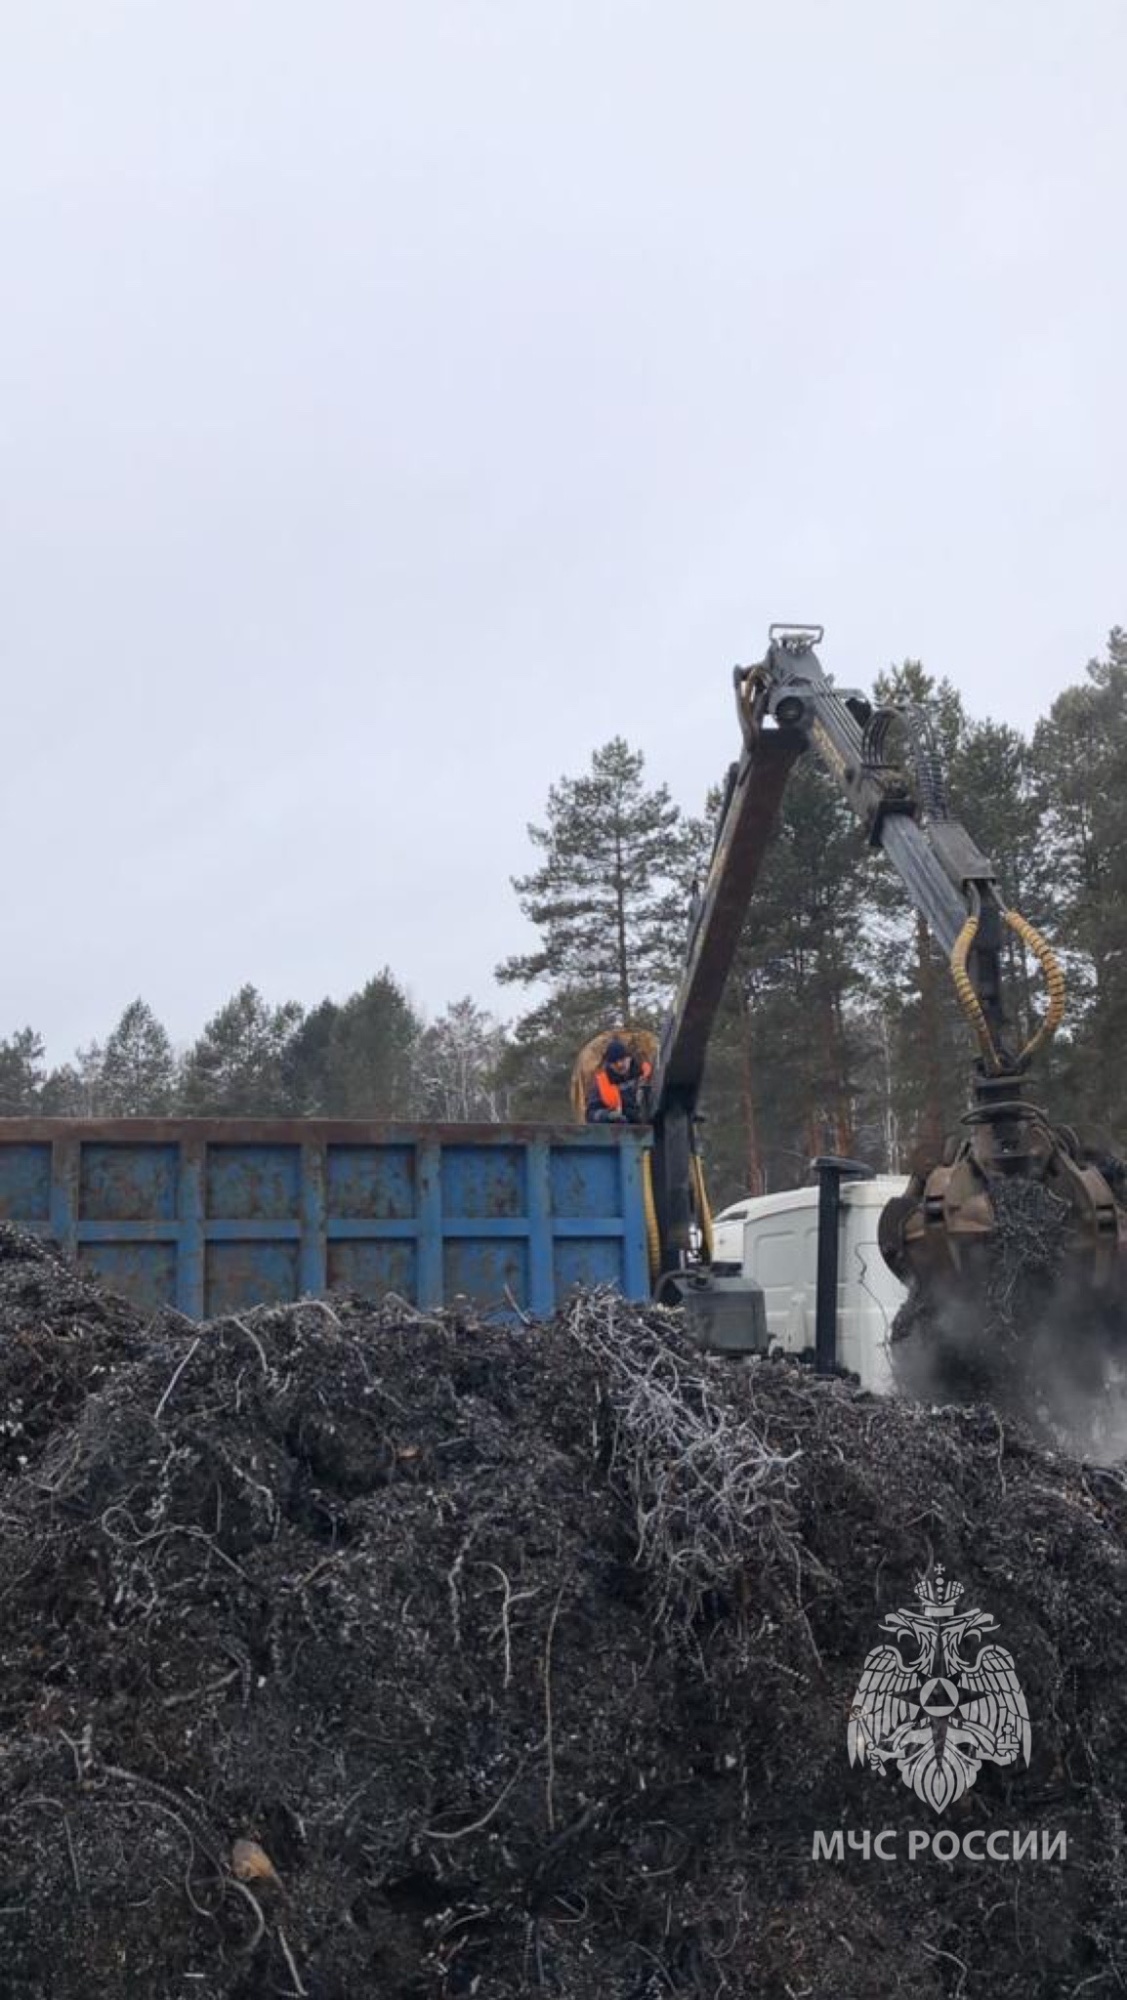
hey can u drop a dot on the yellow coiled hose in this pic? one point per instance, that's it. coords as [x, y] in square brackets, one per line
[1054, 980]
[968, 998]
[653, 1234]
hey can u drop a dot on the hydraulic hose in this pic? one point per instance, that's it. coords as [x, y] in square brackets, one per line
[704, 1212]
[1054, 980]
[968, 998]
[653, 1234]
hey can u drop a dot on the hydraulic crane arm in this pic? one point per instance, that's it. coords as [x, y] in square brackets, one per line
[884, 763]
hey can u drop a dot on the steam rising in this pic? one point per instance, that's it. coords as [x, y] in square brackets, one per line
[1022, 1328]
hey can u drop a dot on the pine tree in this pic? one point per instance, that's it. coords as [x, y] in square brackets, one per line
[237, 1068]
[371, 1055]
[306, 1061]
[784, 1065]
[534, 1071]
[75, 1089]
[22, 1074]
[1079, 768]
[608, 899]
[138, 1067]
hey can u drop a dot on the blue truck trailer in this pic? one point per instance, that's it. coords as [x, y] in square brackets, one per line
[213, 1216]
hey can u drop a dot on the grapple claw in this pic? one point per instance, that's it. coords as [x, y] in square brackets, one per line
[1014, 1247]
[949, 1215]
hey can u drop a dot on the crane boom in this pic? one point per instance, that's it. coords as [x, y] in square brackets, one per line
[884, 762]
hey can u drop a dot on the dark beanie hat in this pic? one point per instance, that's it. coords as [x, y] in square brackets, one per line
[615, 1050]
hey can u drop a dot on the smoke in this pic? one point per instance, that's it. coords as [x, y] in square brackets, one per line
[1023, 1331]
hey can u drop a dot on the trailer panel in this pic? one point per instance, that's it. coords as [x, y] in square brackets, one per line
[214, 1216]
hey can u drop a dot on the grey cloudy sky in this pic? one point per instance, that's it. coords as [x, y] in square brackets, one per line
[399, 400]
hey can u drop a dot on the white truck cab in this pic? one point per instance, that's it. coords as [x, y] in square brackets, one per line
[772, 1240]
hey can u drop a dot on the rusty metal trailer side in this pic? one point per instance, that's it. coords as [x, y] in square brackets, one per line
[216, 1215]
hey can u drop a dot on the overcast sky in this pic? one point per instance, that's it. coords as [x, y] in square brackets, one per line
[397, 401]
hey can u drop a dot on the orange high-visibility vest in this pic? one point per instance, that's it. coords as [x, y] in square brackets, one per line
[609, 1091]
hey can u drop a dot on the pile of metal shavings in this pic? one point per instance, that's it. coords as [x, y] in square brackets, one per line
[1004, 1333]
[350, 1650]
[1030, 1227]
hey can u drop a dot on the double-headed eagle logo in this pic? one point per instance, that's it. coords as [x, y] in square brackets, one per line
[934, 1710]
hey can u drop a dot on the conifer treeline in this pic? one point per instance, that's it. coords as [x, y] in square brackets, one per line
[838, 1031]
[371, 1056]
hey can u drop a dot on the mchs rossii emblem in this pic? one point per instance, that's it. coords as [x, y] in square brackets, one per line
[939, 1699]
